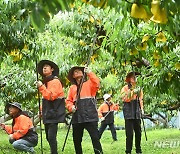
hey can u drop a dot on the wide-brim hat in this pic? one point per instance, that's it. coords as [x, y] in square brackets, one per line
[52, 64]
[15, 104]
[130, 74]
[71, 71]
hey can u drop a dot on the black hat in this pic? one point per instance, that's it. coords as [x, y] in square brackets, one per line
[129, 75]
[52, 64]
[71, 71]
[15, 104]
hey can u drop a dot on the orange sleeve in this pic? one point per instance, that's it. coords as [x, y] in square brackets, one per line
[100, 110]
[115, 107]
[21, 127]
[8, 129]
[70, 99]
[53, 90]
[95, 83]
[124, 94]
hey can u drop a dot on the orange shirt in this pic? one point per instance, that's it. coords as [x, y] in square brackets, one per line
[89, 89]
[53, 90]
[127, 95]
[20, 128]
[104, 108]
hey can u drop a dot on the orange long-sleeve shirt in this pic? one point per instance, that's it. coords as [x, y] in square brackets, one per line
[104, 108]
[89, 89]
[53, 90]
[20, 128]
[127, 97]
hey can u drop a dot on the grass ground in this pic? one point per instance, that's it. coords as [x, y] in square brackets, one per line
[160, 141]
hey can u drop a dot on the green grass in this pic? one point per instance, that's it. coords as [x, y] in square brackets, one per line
[166, 136]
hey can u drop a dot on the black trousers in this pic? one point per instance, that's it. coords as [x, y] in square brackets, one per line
[112, 128]
[92, 128]
[51, 133]
[131, 126]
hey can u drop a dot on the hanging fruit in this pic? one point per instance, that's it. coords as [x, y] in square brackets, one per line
[138, 11]
[159, 14]
[145, 38]
[161, 37]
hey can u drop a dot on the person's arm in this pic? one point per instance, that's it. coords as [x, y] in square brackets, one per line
[23, 124]
[70, 101]
[115, 107]
[126, 94]
[100, 111]
[8, 129]
[53, 91]
[95, 83]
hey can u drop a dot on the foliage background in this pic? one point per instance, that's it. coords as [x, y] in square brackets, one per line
[35, 30]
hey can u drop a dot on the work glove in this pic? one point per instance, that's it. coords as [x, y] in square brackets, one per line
[103, 118]
[73, 109]
[87, 70]
[137, 90]
[142, 111]
[38, 83]
[11, 139]
[11, 136]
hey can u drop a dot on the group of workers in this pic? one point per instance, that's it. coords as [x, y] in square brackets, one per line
[81, 102]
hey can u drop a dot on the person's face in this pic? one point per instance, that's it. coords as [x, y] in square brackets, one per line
[133, 79]
[77, 74]
[47, 70]
[13, 110]
[109, 99]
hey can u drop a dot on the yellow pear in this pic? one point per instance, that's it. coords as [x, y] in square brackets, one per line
[177, 65]
[161, 37]
[155, 7]
[102, 3]
[156, 55]
[159, 14]
[156, 63]
[82, 43]
[143, 46]
[145, 38]
[138, 11]
[133, 52]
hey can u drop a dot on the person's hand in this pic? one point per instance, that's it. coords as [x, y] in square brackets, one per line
[2, 126]
[103, 118]
[142, 111]
[11, 137]
[38, 83]
[137, 90]
[73, 109]
[87, 70]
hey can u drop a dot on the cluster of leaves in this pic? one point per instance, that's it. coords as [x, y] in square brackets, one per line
[122, 44]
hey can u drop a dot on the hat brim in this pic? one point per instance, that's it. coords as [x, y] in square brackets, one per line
[52, 64]
[129, 75]
[10, 104]
[71, 71]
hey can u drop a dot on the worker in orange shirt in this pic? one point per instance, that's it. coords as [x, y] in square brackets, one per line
[53, 102]
[106, 114]
[22, 133]
[85, 115]
[132, 97]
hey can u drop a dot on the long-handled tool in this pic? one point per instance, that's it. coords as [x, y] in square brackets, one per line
[39, 104]
[80, 87]
[141, 116]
